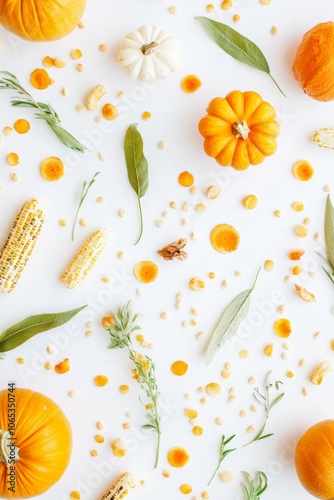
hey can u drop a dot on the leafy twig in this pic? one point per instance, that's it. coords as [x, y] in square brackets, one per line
[123, 325]
[329, 240]
[265, 400]
[256, 486]
[137, 167]
[44, 111]
[84, 191]
[222, 453]
[230, 320]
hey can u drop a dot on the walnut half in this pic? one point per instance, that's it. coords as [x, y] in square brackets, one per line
[174, 250]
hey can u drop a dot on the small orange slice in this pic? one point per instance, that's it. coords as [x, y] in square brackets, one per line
[224, 238]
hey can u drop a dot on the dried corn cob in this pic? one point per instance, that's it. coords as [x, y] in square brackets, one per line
[19, 244]
[85, 259]
[125, 483]
[324, 137]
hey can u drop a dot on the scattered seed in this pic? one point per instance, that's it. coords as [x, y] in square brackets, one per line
[219, 421]
[301, 230]
[146, 115]
[226, 476]
[236, 18]
[274, 30]
[213, 389]
[59, 62]
[94, 453]
[226, 374]
[162, 144]
[298, 206]
[269, 265]
[277, 213]
[15, 177]
[227, 4]
[197, 284]
[197, 430]
[124, 389]
[200, 208]
[13, 159]
[213, 192]
[118, 447]
[186, 488]
[75, 54]
[102, 47]
[244, 353]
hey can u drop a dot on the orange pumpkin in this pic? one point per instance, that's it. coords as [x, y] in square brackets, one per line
[42, 434]
[239, 129]
[41, 20]
[314, 460]
[313, 66]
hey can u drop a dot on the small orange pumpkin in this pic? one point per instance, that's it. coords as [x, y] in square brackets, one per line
[313, 66]
[41, 20]
[42, 434]
[239, 129]
[314, 460]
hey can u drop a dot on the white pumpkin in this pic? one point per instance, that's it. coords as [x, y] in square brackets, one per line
[150, 53]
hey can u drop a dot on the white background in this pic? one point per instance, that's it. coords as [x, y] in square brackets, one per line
[175, 116]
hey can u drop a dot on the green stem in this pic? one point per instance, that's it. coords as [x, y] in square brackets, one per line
[279, 88]
[140, 221]
[215, 472]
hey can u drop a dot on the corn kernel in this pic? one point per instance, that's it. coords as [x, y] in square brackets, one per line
[269, 265]
[75, 495]
[75, 54]
[13, 159]
[197, 430]
[185, 489]
[124, 389]
[99, 438]
[227, 4]
[213, 389]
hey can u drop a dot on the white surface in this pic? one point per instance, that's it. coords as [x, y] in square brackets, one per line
[174, 119]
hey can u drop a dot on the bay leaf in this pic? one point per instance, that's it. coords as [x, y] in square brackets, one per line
[238, 46]
[329, 231]
[137, 167]
[31, 326]
[229, 322]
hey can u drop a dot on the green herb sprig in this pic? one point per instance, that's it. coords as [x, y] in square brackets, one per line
[254, 487]
[329, 240]
[236, 45]
[84, 191]
[31, 326]
[137, 168]
[44, 111]
[264, 398]
[123, 325]
[230, 320]
[222, 454]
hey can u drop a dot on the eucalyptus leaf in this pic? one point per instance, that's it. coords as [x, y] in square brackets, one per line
[329, 231]
[229, 322]
[137, 167]
[31, 326]
[236, 45]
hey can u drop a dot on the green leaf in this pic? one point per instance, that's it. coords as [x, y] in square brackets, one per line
[329, 231]
[137, 167]
[229, 322]
[31, 326]
[236, 45]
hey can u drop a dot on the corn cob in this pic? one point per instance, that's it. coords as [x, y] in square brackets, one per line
[125, 483]
[19, 244]
[85, 259]
[324, 137]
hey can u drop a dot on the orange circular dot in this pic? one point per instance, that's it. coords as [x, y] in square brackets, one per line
[186, 179]
[179, 368]
[22, 126]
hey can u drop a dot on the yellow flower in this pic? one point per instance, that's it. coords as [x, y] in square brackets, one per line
[149, 406]
[136, 374]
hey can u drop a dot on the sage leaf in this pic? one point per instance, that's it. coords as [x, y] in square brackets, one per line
[236, 45]
[31, 326]
[227, 326]
[137, 167]
[329, 231]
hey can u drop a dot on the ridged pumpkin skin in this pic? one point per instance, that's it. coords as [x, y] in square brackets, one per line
[41, 20]
[313, 66]
[239, 129]
[44, 437]
[314, 460]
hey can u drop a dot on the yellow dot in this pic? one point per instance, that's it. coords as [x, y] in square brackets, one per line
[185, 489]
[197, 430]
[146, 115]
[250, 201]
[269, 265]
[13, 159]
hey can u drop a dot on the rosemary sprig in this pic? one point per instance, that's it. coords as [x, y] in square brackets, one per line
[255, 487]
[265, 400]
[222, 453]
[84, 191]
[44, 111]
[123, 325]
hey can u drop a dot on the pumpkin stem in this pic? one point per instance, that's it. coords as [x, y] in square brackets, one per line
[9, 452]
[148, 48]
[241, 130]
